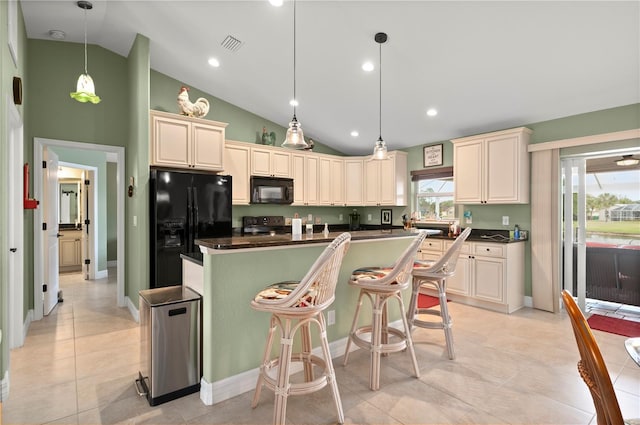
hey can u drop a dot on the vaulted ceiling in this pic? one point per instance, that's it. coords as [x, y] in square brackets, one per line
[483, 65]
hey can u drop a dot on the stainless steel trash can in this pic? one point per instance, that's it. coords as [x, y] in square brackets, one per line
[170, 333]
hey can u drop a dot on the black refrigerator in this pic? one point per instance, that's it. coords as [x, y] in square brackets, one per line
[184, 207]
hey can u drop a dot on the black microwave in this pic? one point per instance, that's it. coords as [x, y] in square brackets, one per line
[271, 190]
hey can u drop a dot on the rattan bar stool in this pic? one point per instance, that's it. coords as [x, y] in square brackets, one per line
[379, 285]
[294, 306]
[434, 275]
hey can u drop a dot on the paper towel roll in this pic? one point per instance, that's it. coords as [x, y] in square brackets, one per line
[296, 226]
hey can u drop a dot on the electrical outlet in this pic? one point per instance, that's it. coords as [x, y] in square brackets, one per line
[310, 218]
[135, 220]
[318, 220]
[340, 217]
[505, 220]
[368, 217]
[331, 317]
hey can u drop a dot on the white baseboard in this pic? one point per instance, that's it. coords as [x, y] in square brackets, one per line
[112, 263]
[102, 274]
[133, 309]
[215, 392]
[528, 302]
[4, 387]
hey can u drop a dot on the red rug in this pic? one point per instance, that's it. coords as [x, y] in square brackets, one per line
[427, 301]
[614, 325]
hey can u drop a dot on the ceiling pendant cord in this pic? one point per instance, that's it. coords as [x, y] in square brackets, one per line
[85, 39]
[380, 148]
[295, 99]
[294, 138]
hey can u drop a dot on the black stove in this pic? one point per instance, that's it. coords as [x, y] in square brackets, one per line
[263, 224]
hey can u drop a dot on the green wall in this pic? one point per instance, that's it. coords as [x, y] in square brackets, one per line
[137, 166]
[243, 126]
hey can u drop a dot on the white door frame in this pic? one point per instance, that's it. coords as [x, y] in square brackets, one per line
[17, 328]
[111, 151]
[89, 252]
[575, 235]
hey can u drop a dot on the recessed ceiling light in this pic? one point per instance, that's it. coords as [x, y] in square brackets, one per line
[276, 3]
[214, 62]
[57, 34]
[354, 133]
[293, 102]
[432, 112]
[367, 66]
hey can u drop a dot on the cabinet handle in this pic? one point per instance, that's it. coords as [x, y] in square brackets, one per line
[488, 250]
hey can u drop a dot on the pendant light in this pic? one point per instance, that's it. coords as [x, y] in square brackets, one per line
[380, 149]
[85, 90]
[295, 137]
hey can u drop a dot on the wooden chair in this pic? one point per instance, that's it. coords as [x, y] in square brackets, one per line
[294, 306]
[593, 369]
[435, 275]
[379, 285]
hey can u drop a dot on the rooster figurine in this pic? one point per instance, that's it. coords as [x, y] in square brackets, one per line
[198, 109]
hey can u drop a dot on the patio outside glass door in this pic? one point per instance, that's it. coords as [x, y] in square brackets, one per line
[574, 223]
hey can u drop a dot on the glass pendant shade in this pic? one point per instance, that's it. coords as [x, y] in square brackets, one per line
[380, 149]
[85, 90]
[295, 137]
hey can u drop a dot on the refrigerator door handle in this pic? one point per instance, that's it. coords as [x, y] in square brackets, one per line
[189, 224]
[195, 214]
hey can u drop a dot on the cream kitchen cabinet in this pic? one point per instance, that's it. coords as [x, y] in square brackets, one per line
[237, 157]
[488, 275]
[492, 168]
[331, 180]
[274, 162]
[305, 169]
[353, 181]
[70, 250]
[183, 142]
[385, 181]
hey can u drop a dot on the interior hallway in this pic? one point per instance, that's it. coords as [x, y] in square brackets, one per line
[78, 366]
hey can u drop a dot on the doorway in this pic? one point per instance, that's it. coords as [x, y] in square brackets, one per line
[601, 229]
[113, 154]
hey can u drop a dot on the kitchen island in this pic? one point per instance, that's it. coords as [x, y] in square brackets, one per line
[235, 269]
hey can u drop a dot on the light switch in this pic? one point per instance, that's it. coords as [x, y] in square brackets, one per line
[369, 217]
[340, 217]
[135, 220]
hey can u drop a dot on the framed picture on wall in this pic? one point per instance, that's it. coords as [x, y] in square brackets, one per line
[432, 155]
[386, 217]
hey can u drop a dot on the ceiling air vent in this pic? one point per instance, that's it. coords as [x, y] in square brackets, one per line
[231, 43]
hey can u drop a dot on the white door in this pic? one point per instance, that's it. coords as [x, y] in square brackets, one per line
[575, 227]
[15, 230]
[50, 212]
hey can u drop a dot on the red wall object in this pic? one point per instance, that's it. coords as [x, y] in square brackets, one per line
[29, 204]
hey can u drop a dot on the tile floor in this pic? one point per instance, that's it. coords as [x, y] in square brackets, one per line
[78, 366]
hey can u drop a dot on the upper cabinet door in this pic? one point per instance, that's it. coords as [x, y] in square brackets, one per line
[270, 162]
[184, 142]
[236, 160]
[208, 147]
[468, 181]
[353, 181]
[492, 168]
[170, 142]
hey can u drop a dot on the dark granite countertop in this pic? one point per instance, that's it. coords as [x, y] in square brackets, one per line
[262, 241]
